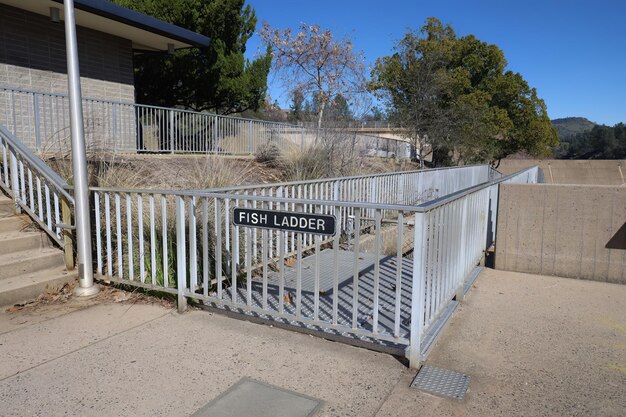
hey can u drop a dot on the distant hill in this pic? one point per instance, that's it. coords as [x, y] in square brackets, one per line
[569, 126]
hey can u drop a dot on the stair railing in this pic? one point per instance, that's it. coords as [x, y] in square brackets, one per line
[37, 191]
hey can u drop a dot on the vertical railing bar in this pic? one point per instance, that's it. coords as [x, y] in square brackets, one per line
[96, 205]
[356, 270]
[140, 239]
[30, 190]
[218, 246]
[429, 265]
[234, 259]
[299, 275]
[316, 295]
[193, 261]
[417, 292]
[181, 256]
[57, 213]
[152, 241]
[129, 231]
[264, 250]
[164, 230]
[399, 264]
[48, 208]
[205, 246]
[377, 255]
[248, 243]
[336, 269]
[118, 228]
[107, 220]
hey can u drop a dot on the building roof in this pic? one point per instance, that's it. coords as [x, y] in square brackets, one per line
[146, 32]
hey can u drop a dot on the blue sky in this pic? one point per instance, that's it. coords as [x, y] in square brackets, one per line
[573, 52]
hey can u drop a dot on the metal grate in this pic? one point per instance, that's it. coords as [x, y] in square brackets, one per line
[441, 382]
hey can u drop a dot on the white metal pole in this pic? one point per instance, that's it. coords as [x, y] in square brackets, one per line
[79, 160]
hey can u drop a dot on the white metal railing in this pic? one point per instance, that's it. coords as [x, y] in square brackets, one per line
[34, 186]
[387, 278]
[41, 121]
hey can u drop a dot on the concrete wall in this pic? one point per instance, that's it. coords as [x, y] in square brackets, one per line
[563, 171]
[561, 230]
[32, 56]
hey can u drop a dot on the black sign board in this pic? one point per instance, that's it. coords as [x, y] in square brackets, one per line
[317, 224]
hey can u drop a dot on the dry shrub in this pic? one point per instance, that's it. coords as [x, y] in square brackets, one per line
[268, 154]
[208, 172]
[309, 164]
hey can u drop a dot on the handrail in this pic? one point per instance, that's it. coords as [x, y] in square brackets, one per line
[40, 165]
[353, 177]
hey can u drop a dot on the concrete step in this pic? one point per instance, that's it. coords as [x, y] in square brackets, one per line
[7, 207]
[29, 261]
[20, 288]
[11, 242]
[14, 223]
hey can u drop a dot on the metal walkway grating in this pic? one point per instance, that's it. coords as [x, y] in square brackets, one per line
[441, 382]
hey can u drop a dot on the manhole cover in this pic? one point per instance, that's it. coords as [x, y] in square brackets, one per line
[442, 382]
[252, 398]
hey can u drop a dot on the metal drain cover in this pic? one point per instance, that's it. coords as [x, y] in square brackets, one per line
[442, 382]
[253, 398]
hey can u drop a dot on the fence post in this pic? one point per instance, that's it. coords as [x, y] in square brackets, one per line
[215, 121]
[171, 112]
[301, 138]
[418, 292]
[459, 294]
[68, 247]
[114, 127]
[250, 141]
[37, 127]
[181, 262]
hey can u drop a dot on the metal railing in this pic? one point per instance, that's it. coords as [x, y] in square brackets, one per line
[386, 278]
[41, 121]
[34, 187]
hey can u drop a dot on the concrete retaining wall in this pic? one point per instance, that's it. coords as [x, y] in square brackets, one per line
[561, 230]
[561, 171]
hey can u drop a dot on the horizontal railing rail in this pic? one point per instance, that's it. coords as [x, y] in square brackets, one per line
[41, 120]
[34, 186]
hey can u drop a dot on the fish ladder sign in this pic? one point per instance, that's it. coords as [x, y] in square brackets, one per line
[317, 224]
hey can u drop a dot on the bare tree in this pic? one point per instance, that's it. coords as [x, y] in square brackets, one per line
[316, 64]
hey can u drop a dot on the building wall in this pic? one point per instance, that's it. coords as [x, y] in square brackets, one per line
[561, 230]
[32, 56]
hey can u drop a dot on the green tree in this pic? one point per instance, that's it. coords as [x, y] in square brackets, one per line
[339, 110]
[453, 97]
[296, 110]
[217, 78]
[601, 142]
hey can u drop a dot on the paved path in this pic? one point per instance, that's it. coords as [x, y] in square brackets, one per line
[534, 346]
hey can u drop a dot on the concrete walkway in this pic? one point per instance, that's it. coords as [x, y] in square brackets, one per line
[533, 346]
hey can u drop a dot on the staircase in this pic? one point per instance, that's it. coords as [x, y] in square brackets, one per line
[29, 264]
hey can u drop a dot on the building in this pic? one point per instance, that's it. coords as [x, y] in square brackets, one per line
[32, 46]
